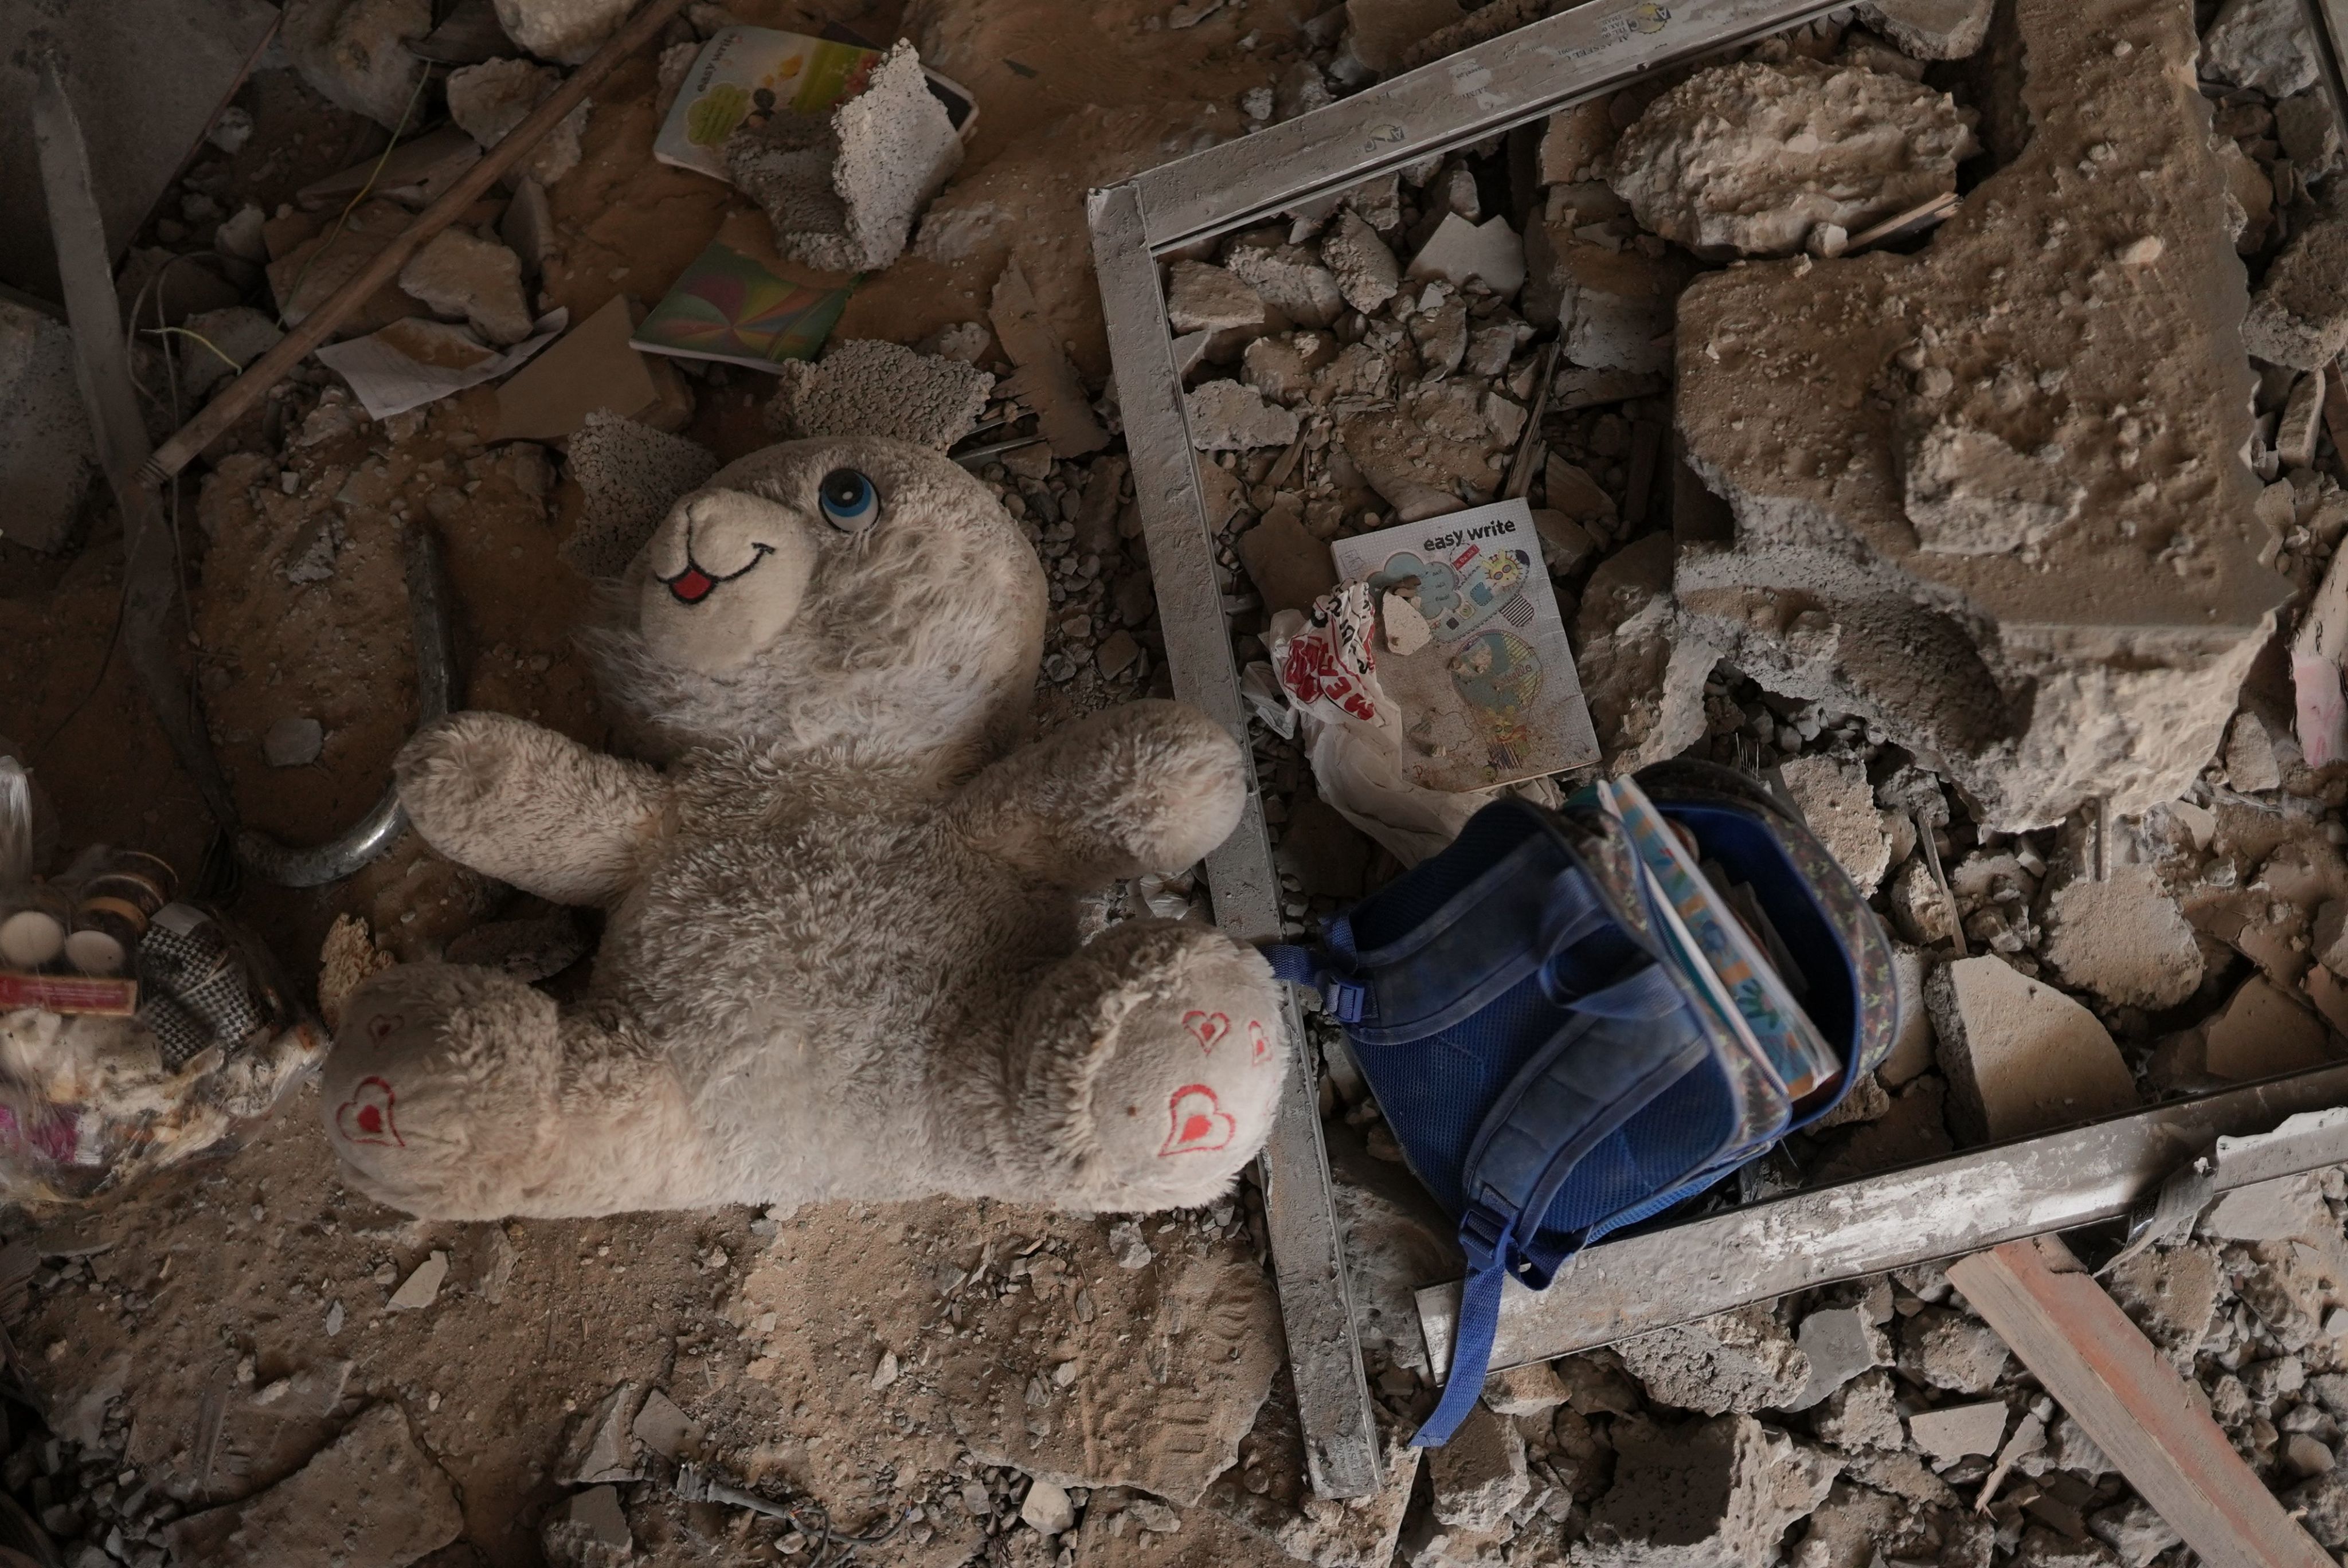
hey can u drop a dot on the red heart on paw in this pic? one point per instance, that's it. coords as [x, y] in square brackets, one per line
[1199, 1125]
[365, 1116]
[1210, 1027]
[1259, 1044]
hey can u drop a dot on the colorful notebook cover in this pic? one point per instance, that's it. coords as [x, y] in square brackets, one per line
[1493, 696]
[1799, 1054]
[723, 86]
[728, 307]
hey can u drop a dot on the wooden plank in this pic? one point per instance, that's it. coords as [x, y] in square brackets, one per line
[2105, 1373]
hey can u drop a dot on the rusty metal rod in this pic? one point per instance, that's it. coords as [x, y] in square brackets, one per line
[314, 329]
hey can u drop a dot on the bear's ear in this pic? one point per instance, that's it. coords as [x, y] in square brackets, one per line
[724, 576]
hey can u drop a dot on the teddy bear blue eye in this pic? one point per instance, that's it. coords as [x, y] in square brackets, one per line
[849, 502]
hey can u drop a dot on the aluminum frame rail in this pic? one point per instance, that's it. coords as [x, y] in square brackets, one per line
[1920, 1214]
[1578, 54]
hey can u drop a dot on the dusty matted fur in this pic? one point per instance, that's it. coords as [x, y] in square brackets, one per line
[841, 958]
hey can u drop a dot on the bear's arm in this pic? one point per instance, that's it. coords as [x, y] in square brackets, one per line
[1149, 787]
[521, 804]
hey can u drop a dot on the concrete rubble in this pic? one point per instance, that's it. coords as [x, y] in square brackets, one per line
[1955, 571]
[863, 386]
[1893, 570]
[1761, 159]
[844, 189]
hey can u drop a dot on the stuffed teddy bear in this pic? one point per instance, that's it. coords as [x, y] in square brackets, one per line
[841, 957]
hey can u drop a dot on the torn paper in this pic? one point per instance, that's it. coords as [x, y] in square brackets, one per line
[412, 363]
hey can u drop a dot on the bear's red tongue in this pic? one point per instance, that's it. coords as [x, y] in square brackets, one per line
[692, 585]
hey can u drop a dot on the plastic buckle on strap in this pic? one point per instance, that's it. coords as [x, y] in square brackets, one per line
[1483, 1233]
[1343, 999]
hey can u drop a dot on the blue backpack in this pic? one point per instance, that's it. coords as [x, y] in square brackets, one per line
[1550, 1075]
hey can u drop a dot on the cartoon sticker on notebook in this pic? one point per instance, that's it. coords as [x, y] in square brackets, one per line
[1500, 675]
[1460, 595]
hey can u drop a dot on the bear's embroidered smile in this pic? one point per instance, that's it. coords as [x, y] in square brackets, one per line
[693, 585]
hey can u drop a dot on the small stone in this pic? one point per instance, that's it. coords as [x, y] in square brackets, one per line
[2250, 765]
[2020, 1056]
[1949, 1350]
[1288, 566]
[1841, 1342]
[423, 1285]
[2141, 251]
[2302, 421]
[1951, 1431]
[666, 1429]
[1459, 251]
[1227, 416]
[2261, 44]
[1203, 298]
[1571, 490]
[489, 99]
[886, 1372]
[1118, 651]
[1738, 1360]
[1047, 1511]
[1366, 271]
[1931, 29]
[1127, 1247]
[293, 743]
[1290, 279]
[1526, 1390]
[2262, 1031]
[2123, 938]
[1407, 629]
[1566, 546]
[2298, 313]
[458, 273]
[2135, 1531]
[2304, 1455]
[2276, 1210]
[1839, 804]
[1479, 1475]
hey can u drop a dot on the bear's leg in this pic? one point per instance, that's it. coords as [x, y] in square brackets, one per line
[1145, 1070]
[456, 1093]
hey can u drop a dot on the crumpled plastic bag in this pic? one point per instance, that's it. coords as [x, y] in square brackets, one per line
[1324, 665]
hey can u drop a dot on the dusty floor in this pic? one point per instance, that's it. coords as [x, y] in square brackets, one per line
[944, 1368]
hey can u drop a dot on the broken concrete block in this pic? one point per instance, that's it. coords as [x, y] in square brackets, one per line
[422, 1286]
[2123, 938]
[1839, 804]
[2298, 315]
[1431, 453]
[2309, 136]
[1749, 159]
[2086, 665]
[842, 189]
[1863, 1414]
[2278, 1210]
[1738, 1360]
[588, 1530]
[1459, 250]
[1289, 567]
[1613, 308]
[460, 274]
[1951, 1431]
[374, 1499]
[1209, 299]
[1574, 143]
[566, 31]
[1635, 659]
[47, 458]
[2261, 44]
[631, 475]
[1714, 1494]
[1380, 33]
[1911, 1047]
[1231, 416]
[2250, 765]
[2302, 421]
[1525, 1390]
[1366, 271]
[601, 1447]
[1571, 490]
[2020, 1056]
[665, 1429]
[865, 386]
[1947, 1349]
[490, 99]
[2135, 1531]
[1048, 1509]
[1283, 367]
[1931, 29]
[1479, 1475]
[1045, 378]
[354, 52]
[1566, 546]
[2262, 1032]
[2172, 1294]
[1841, 1342]
[1290, 279]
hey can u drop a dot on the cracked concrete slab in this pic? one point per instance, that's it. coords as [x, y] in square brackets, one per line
[1962, 510]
